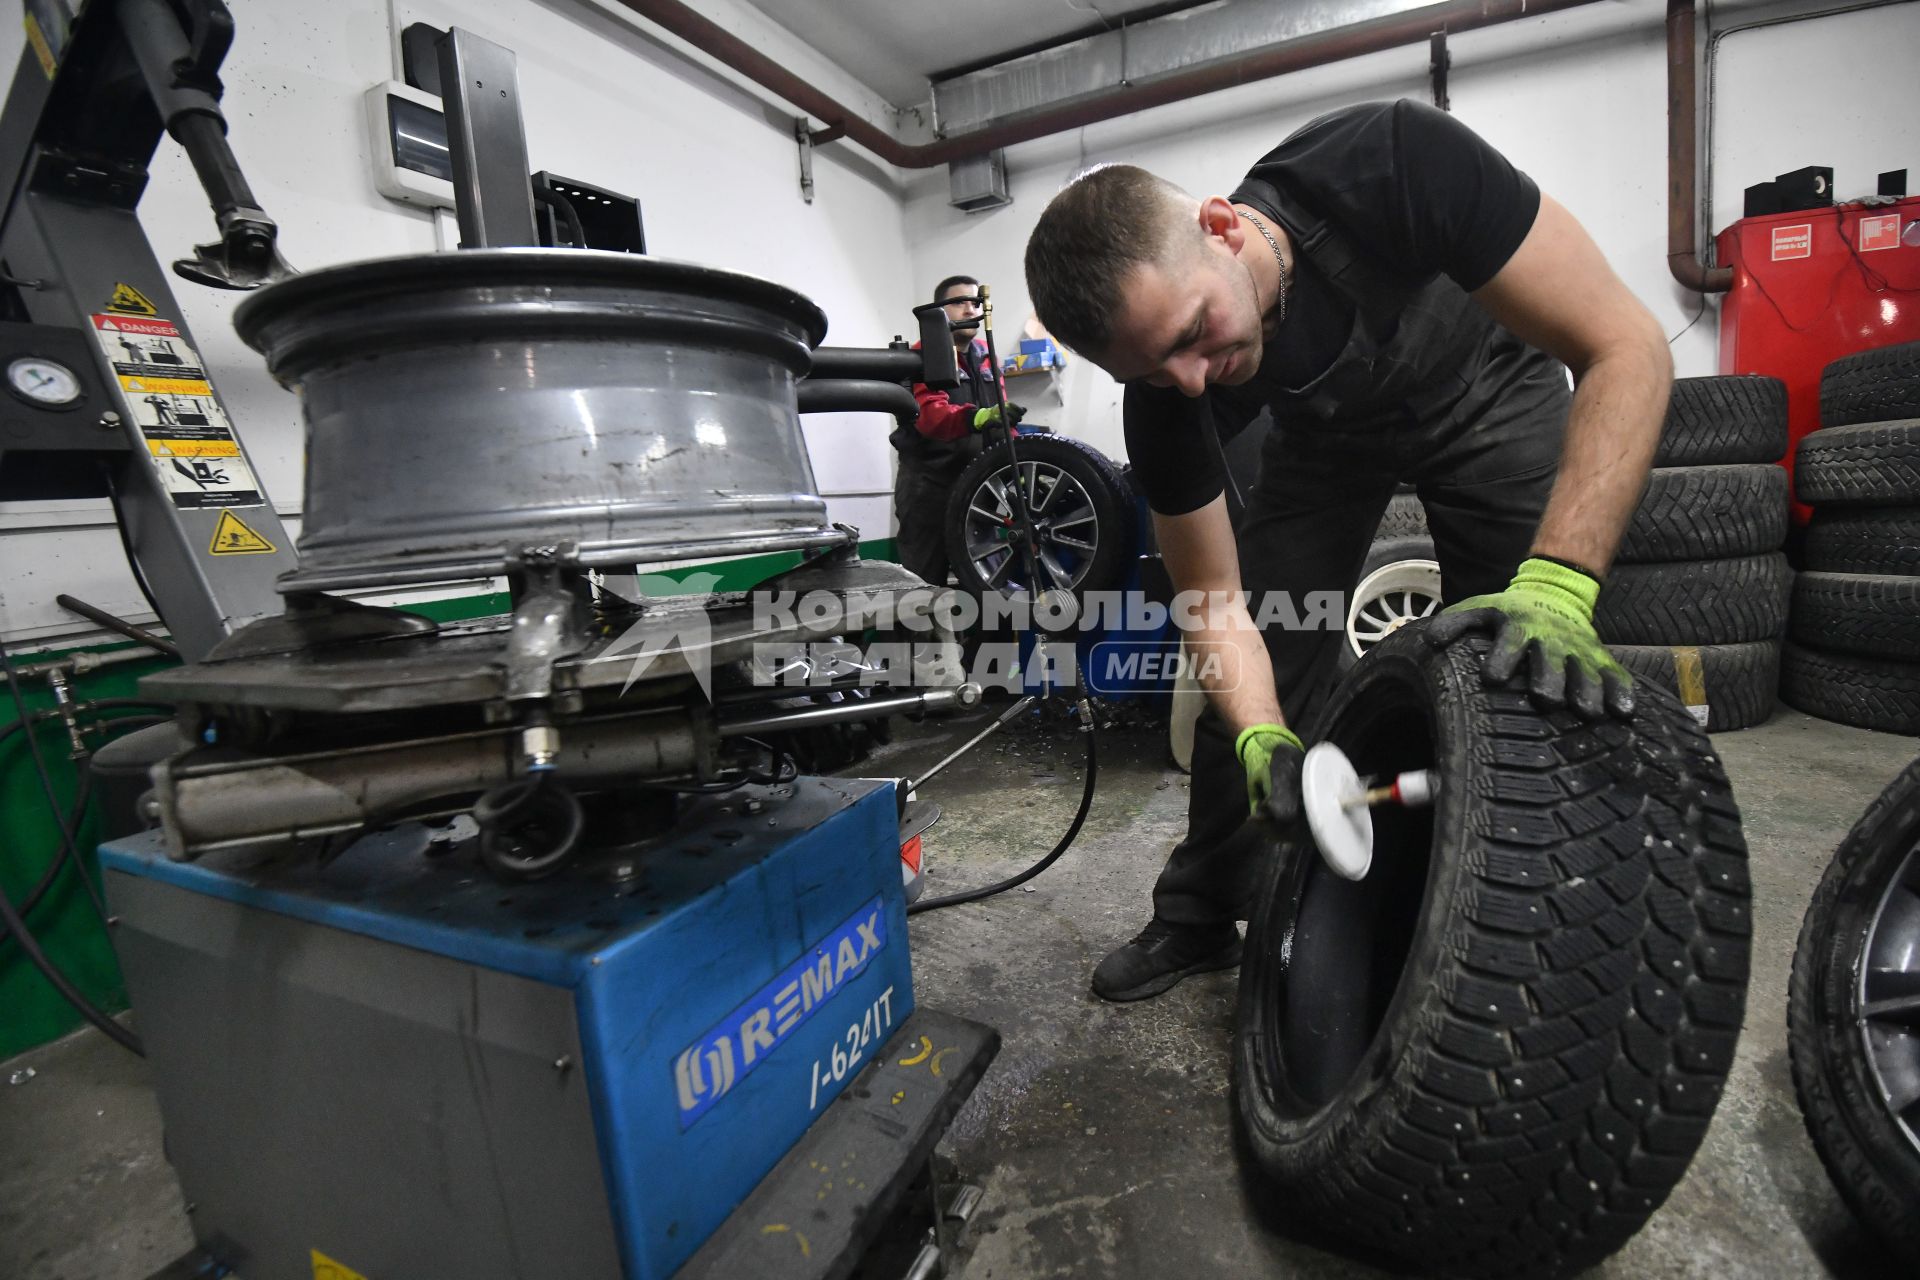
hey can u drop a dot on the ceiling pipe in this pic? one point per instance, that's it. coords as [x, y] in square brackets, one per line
[1415, 27]
[1683, 128]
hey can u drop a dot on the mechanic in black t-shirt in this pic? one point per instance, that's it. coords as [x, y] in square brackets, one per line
[1402, 300]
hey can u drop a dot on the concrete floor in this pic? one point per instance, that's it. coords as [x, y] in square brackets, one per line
[1101, 1134]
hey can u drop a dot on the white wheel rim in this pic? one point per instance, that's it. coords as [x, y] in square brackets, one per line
[1388, 599]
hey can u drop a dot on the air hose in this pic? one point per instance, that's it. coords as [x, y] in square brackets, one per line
[1053, 855]
[12, 920]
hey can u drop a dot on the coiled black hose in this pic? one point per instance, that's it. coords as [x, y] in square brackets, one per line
[15, 923]
[1053, 855]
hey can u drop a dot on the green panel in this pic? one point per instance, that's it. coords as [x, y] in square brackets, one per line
[31, 1013]
[739, 575]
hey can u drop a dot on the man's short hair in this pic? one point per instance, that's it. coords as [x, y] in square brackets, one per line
[940, 290]
[1103, 224]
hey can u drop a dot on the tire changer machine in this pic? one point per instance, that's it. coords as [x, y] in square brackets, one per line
[506, 948]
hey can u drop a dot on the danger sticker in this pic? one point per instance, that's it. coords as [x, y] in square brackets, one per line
[147, 350]
[165, 390]
[1793, 242]
[1882, 231]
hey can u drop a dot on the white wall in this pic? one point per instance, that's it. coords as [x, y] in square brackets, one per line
[716, 172]
[1576, 99]
[1839, 91]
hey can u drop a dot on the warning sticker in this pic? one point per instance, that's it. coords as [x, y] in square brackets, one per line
[165, 388]
[130, 300]
[193, 448]
[234, 537]
[1793, 242]
[1882, 231]
[325, 1268]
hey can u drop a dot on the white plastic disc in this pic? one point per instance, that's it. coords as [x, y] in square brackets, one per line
[1344, 833]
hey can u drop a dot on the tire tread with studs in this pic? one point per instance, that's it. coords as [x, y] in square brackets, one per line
[1551, 1051]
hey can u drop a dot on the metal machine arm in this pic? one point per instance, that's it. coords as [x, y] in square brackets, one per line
[180, 70]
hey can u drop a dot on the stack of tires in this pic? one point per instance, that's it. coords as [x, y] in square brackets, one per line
[1697, 598]
[1854, 655]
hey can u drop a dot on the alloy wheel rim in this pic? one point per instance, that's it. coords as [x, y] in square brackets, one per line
[1389, 598]
[1889, 998]
[1066, 529]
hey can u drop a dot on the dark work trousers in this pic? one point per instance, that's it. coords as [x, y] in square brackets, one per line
[920, 506]
[1308, 524]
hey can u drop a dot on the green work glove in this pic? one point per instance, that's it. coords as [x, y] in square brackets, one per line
[1544, 619]
[984, 418]
[1271, 755]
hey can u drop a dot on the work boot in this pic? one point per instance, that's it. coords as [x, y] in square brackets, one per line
[1163, 954]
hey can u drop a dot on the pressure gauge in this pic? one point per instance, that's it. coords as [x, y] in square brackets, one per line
[43, 382]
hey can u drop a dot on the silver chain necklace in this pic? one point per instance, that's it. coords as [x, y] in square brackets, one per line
[1278, 260]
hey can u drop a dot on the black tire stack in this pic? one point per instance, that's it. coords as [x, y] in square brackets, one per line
[1854, 652]
[1697, 599]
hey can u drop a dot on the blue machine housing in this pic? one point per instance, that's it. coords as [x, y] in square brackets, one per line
[721, 997]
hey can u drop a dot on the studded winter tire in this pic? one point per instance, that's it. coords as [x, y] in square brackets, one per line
[1496, 1054]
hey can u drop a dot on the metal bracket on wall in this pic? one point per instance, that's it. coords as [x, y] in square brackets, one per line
[1438, 63]
[804, 136]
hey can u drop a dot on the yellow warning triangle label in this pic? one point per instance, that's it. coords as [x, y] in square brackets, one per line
[232, 537]
[325, 1268]
[131, 301]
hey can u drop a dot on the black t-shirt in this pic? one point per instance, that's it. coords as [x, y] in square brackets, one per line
[1413, 188]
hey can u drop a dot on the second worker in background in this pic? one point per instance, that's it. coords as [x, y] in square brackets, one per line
[947, 436]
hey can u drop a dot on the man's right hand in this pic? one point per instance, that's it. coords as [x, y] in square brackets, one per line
[1271, 755]
[984, 418]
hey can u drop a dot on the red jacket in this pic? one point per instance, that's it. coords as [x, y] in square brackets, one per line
[941, 416]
